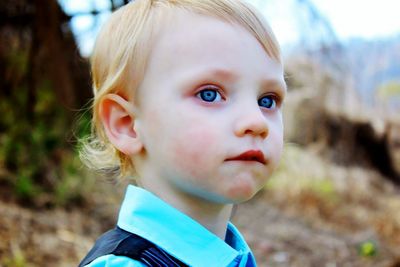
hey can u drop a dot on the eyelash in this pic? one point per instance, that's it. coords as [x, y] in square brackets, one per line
[218, 95]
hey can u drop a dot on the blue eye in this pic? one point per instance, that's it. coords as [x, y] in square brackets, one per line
[267, 102]
[209, 95]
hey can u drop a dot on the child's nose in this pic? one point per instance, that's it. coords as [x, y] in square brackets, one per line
[251, 122]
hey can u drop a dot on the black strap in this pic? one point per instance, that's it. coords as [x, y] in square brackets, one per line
[122, 243]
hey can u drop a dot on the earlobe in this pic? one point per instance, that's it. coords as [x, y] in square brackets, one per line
[118, 117]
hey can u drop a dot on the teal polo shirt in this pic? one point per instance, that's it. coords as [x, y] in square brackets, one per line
[146, 215]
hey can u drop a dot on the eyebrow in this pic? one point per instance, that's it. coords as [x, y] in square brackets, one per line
[278, 85]
[224, 74]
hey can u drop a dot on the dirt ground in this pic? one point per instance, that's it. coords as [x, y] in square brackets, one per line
[281, 238]
[301, 229]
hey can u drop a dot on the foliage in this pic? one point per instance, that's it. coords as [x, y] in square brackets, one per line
[367, 249]
[17, 261]
[36, 153]
[389, 90]
[17, 258]
[294, 175]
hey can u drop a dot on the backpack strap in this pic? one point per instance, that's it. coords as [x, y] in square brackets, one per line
[122, 243]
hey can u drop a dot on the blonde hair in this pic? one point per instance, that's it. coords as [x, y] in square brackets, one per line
[120, 56]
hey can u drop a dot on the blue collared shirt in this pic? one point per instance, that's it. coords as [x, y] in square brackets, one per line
[146, 215]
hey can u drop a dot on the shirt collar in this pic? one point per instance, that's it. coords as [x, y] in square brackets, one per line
[148, 216]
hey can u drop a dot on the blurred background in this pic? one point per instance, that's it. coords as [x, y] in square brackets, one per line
[335, 199]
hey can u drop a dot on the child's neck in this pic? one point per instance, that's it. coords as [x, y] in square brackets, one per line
[211, 215]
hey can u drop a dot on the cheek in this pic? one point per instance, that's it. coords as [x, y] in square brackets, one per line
[195, 149]
[276, 142]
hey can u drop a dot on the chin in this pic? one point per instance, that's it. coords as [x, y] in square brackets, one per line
[242, 193]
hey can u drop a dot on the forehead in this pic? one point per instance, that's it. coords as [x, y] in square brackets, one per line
[190, 40]
[189, 31]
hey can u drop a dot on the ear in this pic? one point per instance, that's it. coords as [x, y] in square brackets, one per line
[118, 118]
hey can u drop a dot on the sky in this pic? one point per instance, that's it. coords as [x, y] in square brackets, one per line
[369, 19]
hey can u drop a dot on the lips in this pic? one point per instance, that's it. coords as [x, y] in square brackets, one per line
[251, 155]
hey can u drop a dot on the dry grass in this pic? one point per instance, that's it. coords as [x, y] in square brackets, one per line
[350, 200]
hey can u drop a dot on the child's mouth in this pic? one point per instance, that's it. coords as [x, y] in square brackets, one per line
[251, 155]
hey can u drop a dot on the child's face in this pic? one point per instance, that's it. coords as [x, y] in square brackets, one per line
[210, 94]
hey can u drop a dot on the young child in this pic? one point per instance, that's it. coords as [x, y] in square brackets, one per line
[188, 97]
